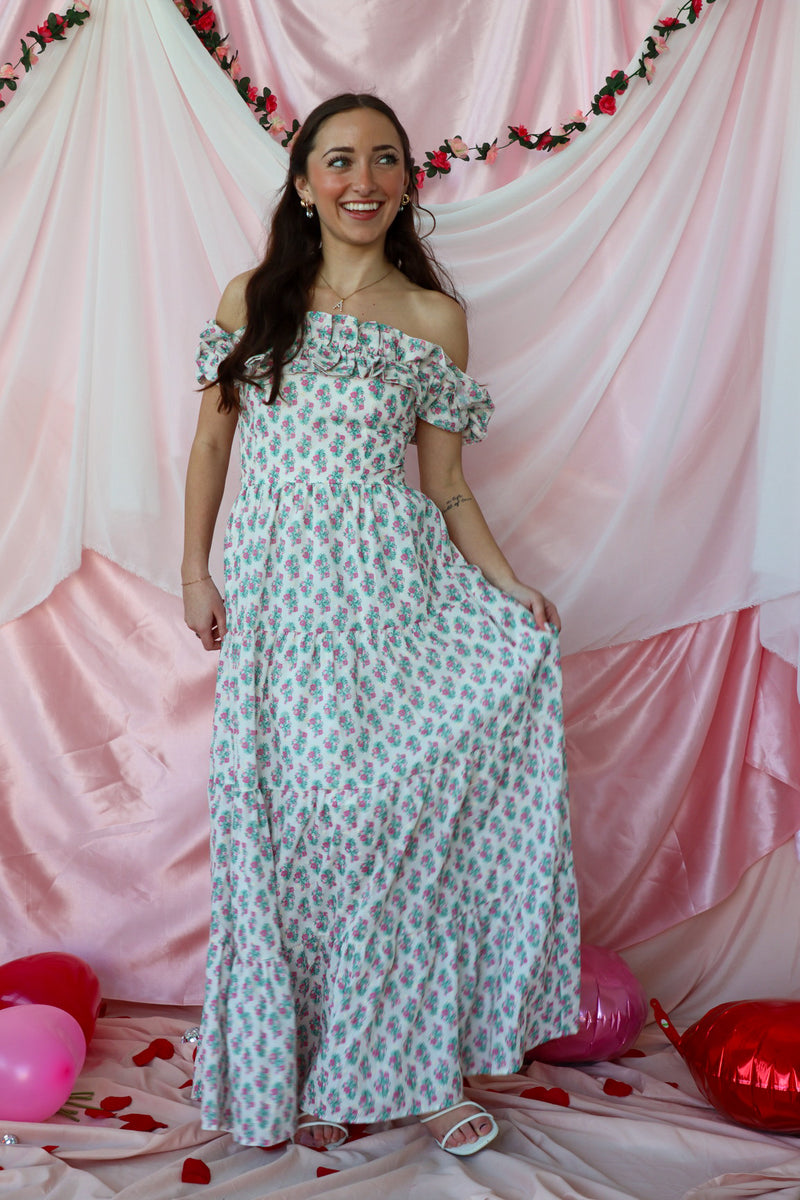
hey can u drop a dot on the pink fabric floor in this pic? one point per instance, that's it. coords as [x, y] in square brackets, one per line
[562, 1133]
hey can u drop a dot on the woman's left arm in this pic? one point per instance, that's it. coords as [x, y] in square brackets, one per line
[442, 480]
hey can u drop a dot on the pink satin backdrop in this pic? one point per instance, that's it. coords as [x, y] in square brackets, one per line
[684, 758]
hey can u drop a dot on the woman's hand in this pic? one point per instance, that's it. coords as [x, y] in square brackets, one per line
[204, 612]
[543, 609]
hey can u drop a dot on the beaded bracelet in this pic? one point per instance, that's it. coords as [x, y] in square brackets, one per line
[189, 582]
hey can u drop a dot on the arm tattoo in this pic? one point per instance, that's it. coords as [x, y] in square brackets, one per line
[456, 502]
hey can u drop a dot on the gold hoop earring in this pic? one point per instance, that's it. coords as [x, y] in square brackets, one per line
[406, 200]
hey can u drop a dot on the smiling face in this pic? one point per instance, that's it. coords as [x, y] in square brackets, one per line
[355, 176]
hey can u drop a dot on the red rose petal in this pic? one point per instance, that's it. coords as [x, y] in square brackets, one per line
[142, 1122]
[615, 1087]
[195, 1171]
[633, 1054]
[671, 1084]
[356, 1132]
[113, 1104]
[49, 1149]
[98, 1113]
[159, 1048]
[326, 1171]
[550, 1095]
[188, 1083]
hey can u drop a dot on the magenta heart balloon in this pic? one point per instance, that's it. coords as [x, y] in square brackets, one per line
[612, 1015]
[42, 1049]
[62, 980]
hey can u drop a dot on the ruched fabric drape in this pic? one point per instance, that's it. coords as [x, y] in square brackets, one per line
[632, 310]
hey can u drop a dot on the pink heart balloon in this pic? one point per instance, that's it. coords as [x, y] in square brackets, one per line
[612, 1015]
[42, 1049]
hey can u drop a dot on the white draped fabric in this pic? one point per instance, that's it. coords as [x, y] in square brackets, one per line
[618, 291]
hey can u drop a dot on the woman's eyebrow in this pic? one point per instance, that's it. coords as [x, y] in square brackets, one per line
[351, 149]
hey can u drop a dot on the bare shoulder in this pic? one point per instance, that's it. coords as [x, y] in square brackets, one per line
[232, 310]
[445, 323]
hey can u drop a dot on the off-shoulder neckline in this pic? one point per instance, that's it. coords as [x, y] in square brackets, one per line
[314, 312]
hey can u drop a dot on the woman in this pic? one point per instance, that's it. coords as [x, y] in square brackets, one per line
[393, 899]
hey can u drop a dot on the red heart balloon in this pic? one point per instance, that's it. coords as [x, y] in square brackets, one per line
[745, 1058]
[61, 980]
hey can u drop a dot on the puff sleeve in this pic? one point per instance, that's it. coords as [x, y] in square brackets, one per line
[452, 400]
[215, 344]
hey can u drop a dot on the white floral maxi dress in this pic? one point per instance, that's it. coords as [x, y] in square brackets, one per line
[393, 898]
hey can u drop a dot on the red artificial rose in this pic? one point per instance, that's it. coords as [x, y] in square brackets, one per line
[420, 177]
[271, 103]
[607, 105]
[625, 81]
[44, 33]
[545, 141]
[440, 161]
[668, 22]
[521, 132]
[206, 22]
[252, 93]
[696, 6]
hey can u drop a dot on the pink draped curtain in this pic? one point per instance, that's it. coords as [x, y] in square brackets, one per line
[620, 297]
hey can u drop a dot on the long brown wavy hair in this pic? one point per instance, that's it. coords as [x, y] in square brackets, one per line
[278, 291]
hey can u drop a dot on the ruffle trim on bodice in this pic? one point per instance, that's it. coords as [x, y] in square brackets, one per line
[341, 345]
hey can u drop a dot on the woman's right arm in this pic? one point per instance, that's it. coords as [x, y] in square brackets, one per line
[203, 607]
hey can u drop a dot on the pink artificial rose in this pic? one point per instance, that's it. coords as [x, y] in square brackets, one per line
[44, 33]
[491, 153]
[219, 53]
[33, 58]
[521, 132]
[7, 72]
[607, 105]
[440, 160]
[661, 44]
[236, 69]
[277, 124]
[420, 177]
[206, 22]
[182, 9]
[458, 146]
[80, 5]
[649, 68]
[272, 103]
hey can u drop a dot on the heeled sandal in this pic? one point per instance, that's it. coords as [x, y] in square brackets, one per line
[313, 1122]
[467, 1147]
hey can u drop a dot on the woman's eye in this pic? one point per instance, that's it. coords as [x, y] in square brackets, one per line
[390, 159]
[338, 161]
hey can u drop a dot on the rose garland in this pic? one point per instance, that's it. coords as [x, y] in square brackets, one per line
[53, 29]
[264, 104]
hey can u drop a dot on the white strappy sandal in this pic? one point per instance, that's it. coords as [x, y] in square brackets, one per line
[467, 1147]
[313, 1122]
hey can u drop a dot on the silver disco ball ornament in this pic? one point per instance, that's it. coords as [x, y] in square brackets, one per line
[9, 1139]
[192, 1036]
